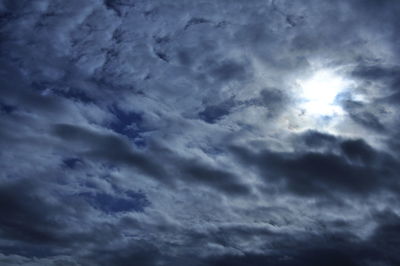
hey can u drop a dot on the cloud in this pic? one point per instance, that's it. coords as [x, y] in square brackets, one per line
[173, 133]
[349, 166]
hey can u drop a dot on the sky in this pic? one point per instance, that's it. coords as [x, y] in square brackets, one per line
[199, 132]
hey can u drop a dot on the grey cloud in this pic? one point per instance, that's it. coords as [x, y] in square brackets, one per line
[24, 222]
[220, 179]
[360, 114]
[227, 70]
[109, 147]
[213, 113]
[375, 72]
[360, 169]
[116, 150]
[318, 139]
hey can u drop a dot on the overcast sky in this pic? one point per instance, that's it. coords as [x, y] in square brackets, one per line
[199, 132]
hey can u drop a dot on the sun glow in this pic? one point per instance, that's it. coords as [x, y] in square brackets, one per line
[319, 92]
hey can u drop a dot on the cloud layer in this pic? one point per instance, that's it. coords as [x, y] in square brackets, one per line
[173, 133]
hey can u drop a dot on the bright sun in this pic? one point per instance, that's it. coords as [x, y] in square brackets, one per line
[318, 93]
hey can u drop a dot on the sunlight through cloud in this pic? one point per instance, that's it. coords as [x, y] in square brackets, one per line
[319, 92]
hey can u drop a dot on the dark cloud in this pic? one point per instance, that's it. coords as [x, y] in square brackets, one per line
[142, 254]
[360, 114]
[220, 179]
[359, 151]
[318, 139]
[7, 109]
[359, 169]
[213, 113]
[376, 72]
[72, 163]
[22, 217]
[108, 147]
[229, 70]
